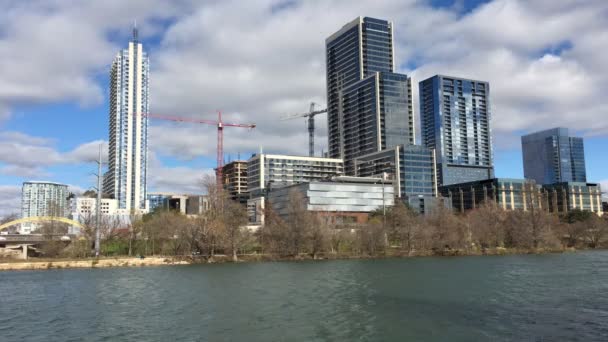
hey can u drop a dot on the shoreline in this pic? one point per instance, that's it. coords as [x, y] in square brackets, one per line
[89, 263]
[47, 264]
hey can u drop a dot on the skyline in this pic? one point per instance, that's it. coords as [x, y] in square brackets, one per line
[275, 74]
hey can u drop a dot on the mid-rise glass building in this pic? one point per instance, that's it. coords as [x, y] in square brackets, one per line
[346, 198]
[369, 107]
[411, 169]
[126, 178]
[455, 122]
[553, 156]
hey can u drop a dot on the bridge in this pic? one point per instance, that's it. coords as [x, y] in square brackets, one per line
[27, 241]
[37, 219]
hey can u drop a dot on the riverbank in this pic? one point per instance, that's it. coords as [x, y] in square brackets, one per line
[46, 264]
[89, 263]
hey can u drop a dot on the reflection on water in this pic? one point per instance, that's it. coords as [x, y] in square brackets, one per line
[537, 297]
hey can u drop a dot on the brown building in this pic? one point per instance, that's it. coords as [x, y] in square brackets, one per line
[234, 179]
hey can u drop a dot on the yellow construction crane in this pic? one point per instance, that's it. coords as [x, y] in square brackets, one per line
[311, 125]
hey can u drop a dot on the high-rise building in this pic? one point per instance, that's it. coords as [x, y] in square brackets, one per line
[369, 107]
[553, 156]
[455, 120]
[125, 180]
[42, 199]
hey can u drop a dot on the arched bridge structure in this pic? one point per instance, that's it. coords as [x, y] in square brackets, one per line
[34, 219]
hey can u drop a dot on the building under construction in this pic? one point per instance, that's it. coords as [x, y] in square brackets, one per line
[234, 180]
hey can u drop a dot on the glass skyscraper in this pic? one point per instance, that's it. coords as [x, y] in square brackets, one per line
[369, 106]
[455, 120]
[128, 141]
[553, 156]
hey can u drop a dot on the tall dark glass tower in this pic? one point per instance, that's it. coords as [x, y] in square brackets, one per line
[455, 118]
[553, 156]
[369, 106]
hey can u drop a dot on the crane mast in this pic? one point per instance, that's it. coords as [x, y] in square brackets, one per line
[311, 125]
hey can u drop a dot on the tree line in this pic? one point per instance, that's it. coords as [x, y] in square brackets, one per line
[221, 231]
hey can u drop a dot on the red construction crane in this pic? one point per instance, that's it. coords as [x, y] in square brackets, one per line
[220, 134]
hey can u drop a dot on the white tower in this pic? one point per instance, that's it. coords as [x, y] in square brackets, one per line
[128, 149]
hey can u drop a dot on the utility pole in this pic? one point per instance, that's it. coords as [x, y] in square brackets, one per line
[98, 207]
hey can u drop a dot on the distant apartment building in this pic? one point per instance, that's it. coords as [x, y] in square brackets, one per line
[272, 170]
[553, 156]
[412, 170]
[234, 180]
[455, 122]
[40, 199]
[126, 178]
[341, 200]
[369, 107]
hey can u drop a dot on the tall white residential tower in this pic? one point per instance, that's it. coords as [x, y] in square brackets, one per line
[125, 180]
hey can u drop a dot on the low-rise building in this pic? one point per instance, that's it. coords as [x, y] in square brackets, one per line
[265, 170]
[509, 194]
[342, 200]
[184, 203]
[167, 201]
[197, 204]
[567, 196]
[522, 194]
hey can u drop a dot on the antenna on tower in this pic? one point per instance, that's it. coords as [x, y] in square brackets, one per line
[135, 32]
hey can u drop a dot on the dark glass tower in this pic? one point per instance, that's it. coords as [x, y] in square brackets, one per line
[369, 106]
[553, 156]
[455, 118]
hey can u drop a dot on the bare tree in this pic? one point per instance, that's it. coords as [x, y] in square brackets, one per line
[487, 225]
[403, 226]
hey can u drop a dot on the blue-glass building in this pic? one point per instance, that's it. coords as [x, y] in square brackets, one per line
[455, 122]
[369, 106]
[553, 156]
[410, 167]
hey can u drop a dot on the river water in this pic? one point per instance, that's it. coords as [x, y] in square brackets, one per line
[557, 297]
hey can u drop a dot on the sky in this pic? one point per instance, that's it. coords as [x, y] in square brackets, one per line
[257, 61]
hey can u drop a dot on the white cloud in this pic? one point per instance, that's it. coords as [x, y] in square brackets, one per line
[27, 156]
[10, 200]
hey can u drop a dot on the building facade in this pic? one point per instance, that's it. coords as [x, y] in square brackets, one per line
[553, 156]
[411, 167]
[280, 170]
[369, 107]
[507, 193]
[234, 179]
[455, 122]
[342, 200]
[40, 199]
[126, 178]
[566, 196]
